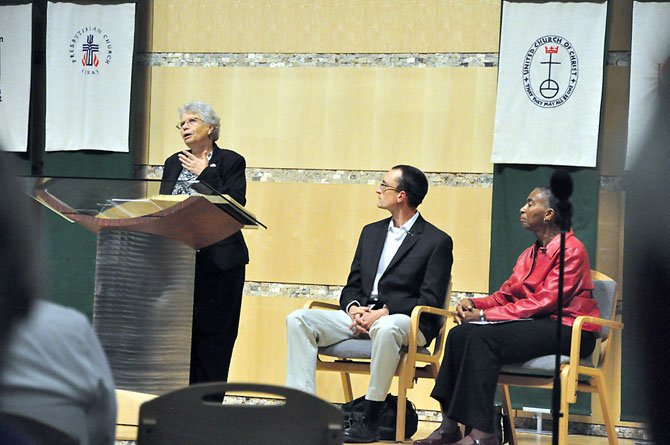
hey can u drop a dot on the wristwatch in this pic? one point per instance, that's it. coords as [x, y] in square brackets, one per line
[482, 317]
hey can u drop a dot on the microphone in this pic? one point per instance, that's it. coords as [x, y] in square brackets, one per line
[561, 184]
[561, 188]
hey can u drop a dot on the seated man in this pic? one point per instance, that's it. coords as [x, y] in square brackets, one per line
[400, 262]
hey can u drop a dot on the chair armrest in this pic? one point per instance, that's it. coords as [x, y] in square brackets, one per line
[576, 339]
[321, 304]
[418, 310]
[575, 346]
[414, 324]
[410, 358]
[579, 321]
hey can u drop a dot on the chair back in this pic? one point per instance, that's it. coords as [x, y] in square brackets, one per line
[605, 293]
[196, 414]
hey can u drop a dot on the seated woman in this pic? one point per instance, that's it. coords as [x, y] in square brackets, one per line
[474, 353]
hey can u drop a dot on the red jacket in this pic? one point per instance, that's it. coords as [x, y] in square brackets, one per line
[532, 290]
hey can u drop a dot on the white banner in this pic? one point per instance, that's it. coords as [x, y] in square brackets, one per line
[649, 66]
[89, 65]
[15, 68]
[550, 82]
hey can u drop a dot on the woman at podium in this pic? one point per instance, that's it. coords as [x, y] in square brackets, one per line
[219, 268]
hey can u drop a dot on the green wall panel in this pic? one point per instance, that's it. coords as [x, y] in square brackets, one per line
[69, 248]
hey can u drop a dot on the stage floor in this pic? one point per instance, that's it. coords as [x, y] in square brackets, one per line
[425, 428]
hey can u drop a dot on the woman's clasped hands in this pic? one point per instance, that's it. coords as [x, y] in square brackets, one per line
[466, 312]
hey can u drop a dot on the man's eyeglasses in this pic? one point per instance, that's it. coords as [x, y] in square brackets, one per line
[189, 122]
[384, 186]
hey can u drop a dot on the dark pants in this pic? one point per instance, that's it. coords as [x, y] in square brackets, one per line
[474, 354]
[217, 302]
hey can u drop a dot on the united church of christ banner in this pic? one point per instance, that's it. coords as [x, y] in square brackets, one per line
[89, 66]
[15, 69]
[550, 83]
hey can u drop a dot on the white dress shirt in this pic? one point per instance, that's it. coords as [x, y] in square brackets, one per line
[394, 238]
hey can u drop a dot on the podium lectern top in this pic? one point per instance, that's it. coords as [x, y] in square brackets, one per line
[135, 205]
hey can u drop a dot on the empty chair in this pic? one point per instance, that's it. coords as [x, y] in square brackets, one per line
[195, 415]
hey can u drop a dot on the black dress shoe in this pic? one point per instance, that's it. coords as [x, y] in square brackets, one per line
[361, 430]
[443, 439]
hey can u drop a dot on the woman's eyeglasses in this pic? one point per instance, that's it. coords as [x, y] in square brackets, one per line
[189, 123]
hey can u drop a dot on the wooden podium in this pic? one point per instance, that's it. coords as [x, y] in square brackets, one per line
[145, 264]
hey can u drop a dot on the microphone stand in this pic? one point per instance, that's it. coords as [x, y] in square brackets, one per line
[556, 392]
[565, 214]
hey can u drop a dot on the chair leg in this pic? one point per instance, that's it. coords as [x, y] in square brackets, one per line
[604, 407]
[404, 374]
[507, 409]
[564, 410]
[401, 412]
[346, 387]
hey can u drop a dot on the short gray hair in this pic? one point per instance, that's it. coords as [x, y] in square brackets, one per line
[550, 200]
[206, 113]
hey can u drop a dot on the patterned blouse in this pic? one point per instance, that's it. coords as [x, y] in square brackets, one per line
[186, 179]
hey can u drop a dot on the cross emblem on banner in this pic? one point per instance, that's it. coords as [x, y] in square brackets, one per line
[90, 48]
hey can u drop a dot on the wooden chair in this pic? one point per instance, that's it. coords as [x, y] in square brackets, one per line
[576, 374]
[353, 357]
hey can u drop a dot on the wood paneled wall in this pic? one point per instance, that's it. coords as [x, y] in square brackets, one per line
[326, 26]
[313, 230]
[438, 119]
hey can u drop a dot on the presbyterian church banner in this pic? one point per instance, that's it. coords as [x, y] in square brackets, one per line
[550, 83]
[15, 54]
[89, 66]
[649, 71]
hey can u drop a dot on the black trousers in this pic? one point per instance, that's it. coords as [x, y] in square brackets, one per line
[474, 354]
[217, 302]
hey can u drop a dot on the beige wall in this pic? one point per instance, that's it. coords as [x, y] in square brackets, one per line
[326, 26]
[313, 230]
[353, 118]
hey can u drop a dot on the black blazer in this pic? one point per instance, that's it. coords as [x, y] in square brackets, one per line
[418, 274]
[226, 175]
